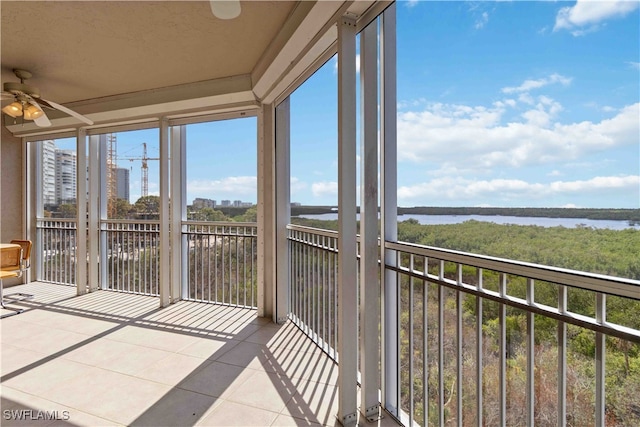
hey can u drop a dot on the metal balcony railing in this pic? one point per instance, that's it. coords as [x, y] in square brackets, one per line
[57, 240]
[485, 341]
[314, 284]
[220, 258]
[131, 251]
[222, 262]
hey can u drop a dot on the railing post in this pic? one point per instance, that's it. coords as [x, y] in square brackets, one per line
[389, 210]
[93, 226]
[369, 251]
[165, 270]
[81, 209]
[178, 214]
[601, 353]
[562, 358]
[347, 261]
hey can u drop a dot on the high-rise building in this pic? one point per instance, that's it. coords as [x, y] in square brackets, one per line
[66, 173]
[122, 183]
[199, 203]
[48, 170]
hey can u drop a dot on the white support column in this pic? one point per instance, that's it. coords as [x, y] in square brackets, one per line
[97, 195]
[33, 155]
[347, 261]
[369, 251]
[30, 219]
[81, 207]
[178, 209]
[266, 210]
[281, 167]
[165, 259]
[389, 210]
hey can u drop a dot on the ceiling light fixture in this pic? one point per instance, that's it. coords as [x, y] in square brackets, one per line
[225, 9]
[32, 112]
[14, 109]
[18, 108]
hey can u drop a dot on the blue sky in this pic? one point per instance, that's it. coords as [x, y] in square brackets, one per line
[499, 104]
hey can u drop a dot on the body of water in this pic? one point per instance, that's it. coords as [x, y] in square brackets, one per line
[497, 219]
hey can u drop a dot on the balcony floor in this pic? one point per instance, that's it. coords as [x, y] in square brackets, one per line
[112, 358]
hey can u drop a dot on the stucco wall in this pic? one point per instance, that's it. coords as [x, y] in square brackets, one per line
[11, 190]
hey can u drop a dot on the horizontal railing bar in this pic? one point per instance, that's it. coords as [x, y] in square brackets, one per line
[314, 245]
[130, 222]
[577, 279]
[311, 230]
[224, 304]
[537, 308]
[221, 224]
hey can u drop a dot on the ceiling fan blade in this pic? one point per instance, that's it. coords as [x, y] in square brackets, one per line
[225, 9]
[67, 110]
[43, 120]
[7, 95]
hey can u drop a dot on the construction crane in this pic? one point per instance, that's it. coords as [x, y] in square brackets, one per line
[145, 168]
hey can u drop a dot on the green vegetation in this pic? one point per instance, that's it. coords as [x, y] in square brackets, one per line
[631, 215]
[603, 251]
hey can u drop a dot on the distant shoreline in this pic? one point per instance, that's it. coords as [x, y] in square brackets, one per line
[631, 215]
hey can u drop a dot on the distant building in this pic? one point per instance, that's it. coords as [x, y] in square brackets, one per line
[199, 203]
[237, 203]
[294, 204]
[225, 203]
[122, 183]
[246, 204]
[48, 170]
[65, 176]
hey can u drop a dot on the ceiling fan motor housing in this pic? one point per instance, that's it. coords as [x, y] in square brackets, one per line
[21, 88]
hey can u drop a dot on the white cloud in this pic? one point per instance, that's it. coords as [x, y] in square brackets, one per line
[229, 186]
[324, 189]
[528, 85]
[477, 137]
[482, 21]
[634, 65]
[590, 13]
[458, 188]
[411, 3]
[297, 186]
[597, 183]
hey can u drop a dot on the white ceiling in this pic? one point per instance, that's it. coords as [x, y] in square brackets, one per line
[136, 57]
[86, 50]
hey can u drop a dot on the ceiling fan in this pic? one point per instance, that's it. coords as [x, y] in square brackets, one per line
[25, 103]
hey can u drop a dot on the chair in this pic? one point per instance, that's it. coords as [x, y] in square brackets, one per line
[10, 258]
[25, 263]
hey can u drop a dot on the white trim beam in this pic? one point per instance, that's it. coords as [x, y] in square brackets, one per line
[389, 210]
[193, 98]
[347, 261]
[369, 250]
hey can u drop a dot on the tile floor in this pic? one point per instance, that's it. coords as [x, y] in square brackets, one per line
[110, 358]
